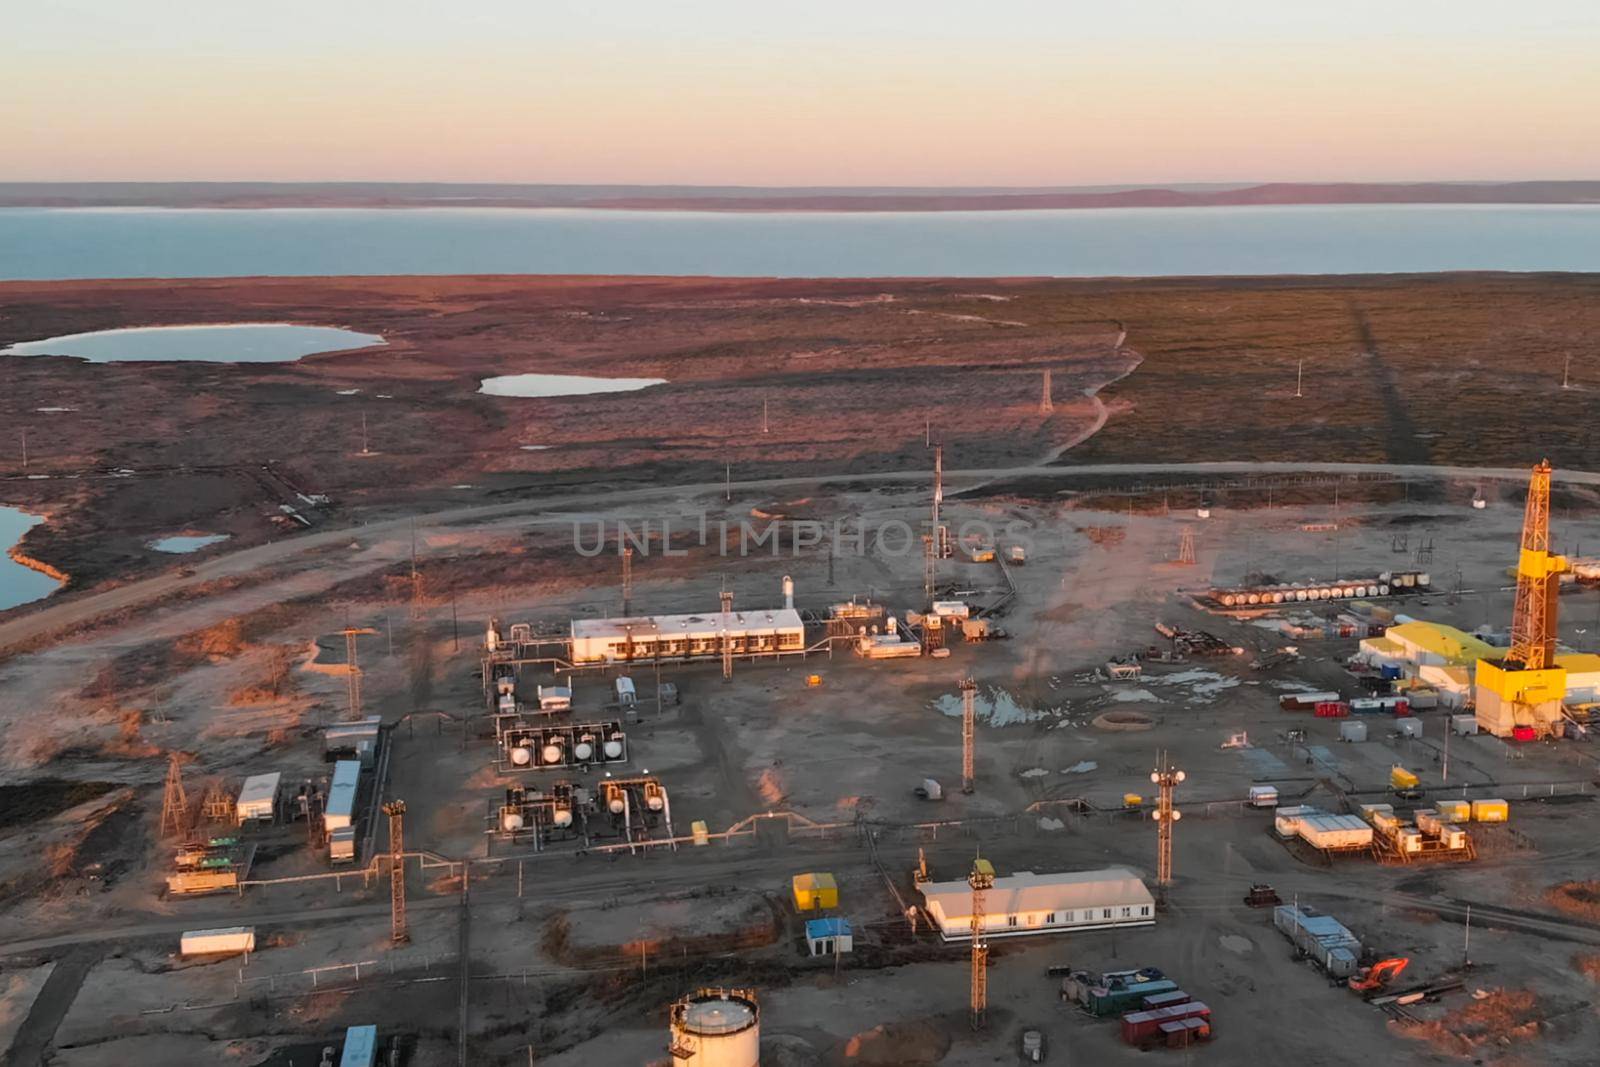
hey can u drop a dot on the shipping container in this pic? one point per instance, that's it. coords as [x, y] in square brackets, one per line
[626, 695]
[1386, 822]
[1165, 1000]
[1490, 811]
[1408, 727]
[1454, 810]
[1305, 701]
[1263, 796]
[341, 808]
[1409, 839]
[1464, 725]
[1428, 821]
[1454, 837]
[1335, 831]
[1353, 730]
[1367, 811]
[224, 941]
[1103, 1002]
[1400, 778]
[1140, 1026]
[360, 1047]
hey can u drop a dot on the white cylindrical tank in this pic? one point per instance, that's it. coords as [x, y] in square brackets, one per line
[583, 751]
[551, 752]
[562, 817]
[717, 1028]
[1383, 590]
[1227, 600]
[615, 802]
[613, 747]
[788, 592]
[511, 821]
[521, 756]
[1423, 579]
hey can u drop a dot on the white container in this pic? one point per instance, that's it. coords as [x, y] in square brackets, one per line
[1408, 727]
[1410, 839]
[342, 845]
[1335, 831]
[1263, 796]
[1452, 836]
[1463, 725]
[1352, 730]
[951, 608]
[224, 941]
[625, 692]
[258, 797]
[1428, 822]
[554, 698]
[341, 809]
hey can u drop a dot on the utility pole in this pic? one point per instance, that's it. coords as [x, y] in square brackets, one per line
[627, 582]
[1166, 777]
[353, 672]
[396, 810]
[1566, 373]
[1186, 546]
[727, 482]
[24, 448]
[969, 692]
[1047, 403]
[766, 426]
[365, 451]
[1299, 377]
[727, 642]
[981, 880]
[174, 801]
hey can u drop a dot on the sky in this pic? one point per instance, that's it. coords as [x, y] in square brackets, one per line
[867, 92]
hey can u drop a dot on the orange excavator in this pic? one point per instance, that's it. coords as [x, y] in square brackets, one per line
[1379, 975]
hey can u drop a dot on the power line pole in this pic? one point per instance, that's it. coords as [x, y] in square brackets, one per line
[1186, 546]
[727, 641]
[1299, 378]
[766, 427]
[174, 801]
[969, 691]
[1047, 403]
[353, 667]
[398, 933]
[365, 451]
[627, 582]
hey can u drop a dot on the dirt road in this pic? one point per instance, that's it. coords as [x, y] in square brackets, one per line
[75, 611]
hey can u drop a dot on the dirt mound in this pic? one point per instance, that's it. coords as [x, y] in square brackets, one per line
[1588, 966]
[1580, 899]
[898, 1045]
[1500, 1016]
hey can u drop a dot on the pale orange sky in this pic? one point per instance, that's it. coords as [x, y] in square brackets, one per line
[829, 93]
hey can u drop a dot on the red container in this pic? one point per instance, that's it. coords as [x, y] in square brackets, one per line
[1523, 733]
[1402, 709]
[1333, 709]
[1141, 1026]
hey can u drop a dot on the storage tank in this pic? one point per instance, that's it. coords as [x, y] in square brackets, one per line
[521, 755]
[613, 746]
[561, 817]
[716, 1028]
[788, 593]
[552, 751]
[511, 821]
[1227, 600]
[583, 751]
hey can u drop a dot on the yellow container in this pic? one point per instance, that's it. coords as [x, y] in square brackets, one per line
[1400, 778]
[815, 891]
[1490, 811]
[1454, 810]
[813, 680]
[1386, 821]
[702, 833]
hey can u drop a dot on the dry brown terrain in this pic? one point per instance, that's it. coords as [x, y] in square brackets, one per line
[1444, 369]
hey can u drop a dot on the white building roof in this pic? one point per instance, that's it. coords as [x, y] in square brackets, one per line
[260, 788]
[708, 624]
[1025, 892]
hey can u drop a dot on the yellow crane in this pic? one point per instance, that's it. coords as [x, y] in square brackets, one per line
[1527, 688]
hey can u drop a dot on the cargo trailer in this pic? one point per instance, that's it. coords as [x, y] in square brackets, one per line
[341, 808]
[258, 798]
[224, 941]
[1490, 811]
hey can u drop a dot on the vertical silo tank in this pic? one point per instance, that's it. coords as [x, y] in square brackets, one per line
[717, 1028]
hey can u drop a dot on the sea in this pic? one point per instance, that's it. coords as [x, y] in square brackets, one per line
[45, 243]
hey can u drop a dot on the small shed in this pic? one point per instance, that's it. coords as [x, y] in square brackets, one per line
[815, 891]
[828, 937]
[258, 798]
[360, 1047]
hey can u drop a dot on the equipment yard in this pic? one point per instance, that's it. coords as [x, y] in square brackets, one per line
[599, 754]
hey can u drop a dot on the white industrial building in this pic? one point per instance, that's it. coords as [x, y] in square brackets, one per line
[1027, 903]
[258, 798]
[683, 637]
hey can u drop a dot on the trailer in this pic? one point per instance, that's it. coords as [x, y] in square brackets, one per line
[341, 809]
[223, 941]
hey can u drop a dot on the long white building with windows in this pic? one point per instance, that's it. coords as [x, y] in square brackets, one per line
[685, 637]
[1027, 903]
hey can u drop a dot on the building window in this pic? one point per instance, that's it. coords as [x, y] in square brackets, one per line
[1105, 913]
[1127, 913]
[1050, 919]
[1011, 920]
[1144, 909]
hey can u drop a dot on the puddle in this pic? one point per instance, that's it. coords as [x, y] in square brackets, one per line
[1047, 823]
[246, 342]
[184, 543]
[995, 707]
[53, 411]
[535, 448]
[1203, 685]
[526, 385]
[1083, 767]
[19, 584]
[1034, 772]
[1129, 696]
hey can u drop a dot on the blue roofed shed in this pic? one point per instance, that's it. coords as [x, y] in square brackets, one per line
[827, 937]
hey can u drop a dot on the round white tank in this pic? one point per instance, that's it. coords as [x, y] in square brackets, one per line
[655, 800]
[1423, 579]
[551, 752]
[1277, 598]
[511, 821]
[1227, 600]
[1254, 598]
[718, 1033]
[1361, 590]
[583, 751]
[562, 817]
[1383, 590]
[521, 756]
[612, 748]
[1300, 594]
[616, 805]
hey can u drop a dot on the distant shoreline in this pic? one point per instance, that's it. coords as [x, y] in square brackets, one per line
[264, 195]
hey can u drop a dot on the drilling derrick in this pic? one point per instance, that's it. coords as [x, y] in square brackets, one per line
[1527, 688]
[982, 880]
[398, 932]
[969, 692]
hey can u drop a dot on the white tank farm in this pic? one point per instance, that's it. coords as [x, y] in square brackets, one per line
[716, 1029]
